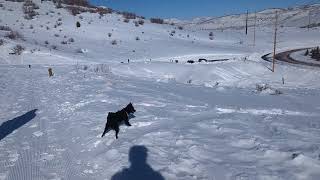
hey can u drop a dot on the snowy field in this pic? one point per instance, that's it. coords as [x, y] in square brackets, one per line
[231, 120]
[191, 132]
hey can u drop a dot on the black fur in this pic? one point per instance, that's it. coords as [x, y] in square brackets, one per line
[114, 120]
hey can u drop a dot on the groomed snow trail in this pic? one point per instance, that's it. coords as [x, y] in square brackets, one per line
[191, 132]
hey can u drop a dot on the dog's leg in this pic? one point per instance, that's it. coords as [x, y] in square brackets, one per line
[105, 130]
[117, 131]
[127, 122]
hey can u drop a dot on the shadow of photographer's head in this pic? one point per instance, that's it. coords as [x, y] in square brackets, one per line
[138, 155]
[139, 168]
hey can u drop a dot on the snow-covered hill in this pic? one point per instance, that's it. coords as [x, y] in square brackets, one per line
[227, 120]
[290, 17]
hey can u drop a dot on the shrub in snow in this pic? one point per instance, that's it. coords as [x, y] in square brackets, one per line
[74, 10]
[306, 53]
[137, 38]
[78, 24]
[102, 68]
[59, 4]
[266, 89]
[28, 8]
[70, 40]
[14, 35]
[31, 26]
[54, 47]
[180, 28]
[109, 34]
[114, 42]
[157, 20]
[1, 42]
[126, 20]
[56, 35]
[46, 42]
[101, 11]
[136, 23]
[80, 50]
[17, 50]
[64, 42]
[5, 28]
[128, 15]
[141, 22]
[315, 53]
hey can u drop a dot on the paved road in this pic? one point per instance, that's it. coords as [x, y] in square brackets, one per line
[285, 57]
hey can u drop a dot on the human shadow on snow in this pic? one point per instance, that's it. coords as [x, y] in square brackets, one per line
[139, 169]
[9, 126]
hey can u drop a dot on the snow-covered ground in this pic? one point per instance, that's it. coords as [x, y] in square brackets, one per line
[198, 121]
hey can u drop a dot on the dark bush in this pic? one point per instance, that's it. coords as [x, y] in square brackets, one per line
[315, 53]
[78, 24]
[128, 15]
[306, 53]
[5, 28]
[70, 40]
[17, 50]
[157, 20]
[101, 11]
[109, 34]
[1, 42]
[54, 47]
[114, 42]
[83, 3]
[59, 5]
[180, 28]
[14, 35]
[126, 20]
[28, 8]
[137, 38]
[141, 22]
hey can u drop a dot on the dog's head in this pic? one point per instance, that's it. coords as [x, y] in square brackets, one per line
[130, 109]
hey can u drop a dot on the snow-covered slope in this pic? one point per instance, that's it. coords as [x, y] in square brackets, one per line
[227, 120]
[290, 17]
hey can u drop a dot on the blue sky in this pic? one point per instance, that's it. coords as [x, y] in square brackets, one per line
[187, 9]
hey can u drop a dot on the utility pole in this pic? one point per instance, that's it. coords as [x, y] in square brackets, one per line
[247, 22]
[254, 29]
[309, 20]
[275, 41]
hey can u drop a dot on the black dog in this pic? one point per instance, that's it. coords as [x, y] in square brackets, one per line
[114, 120]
